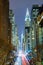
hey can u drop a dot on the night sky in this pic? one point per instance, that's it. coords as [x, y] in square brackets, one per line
[19, 8]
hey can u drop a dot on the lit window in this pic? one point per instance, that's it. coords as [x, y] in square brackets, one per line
[42, 17]
[33, 38]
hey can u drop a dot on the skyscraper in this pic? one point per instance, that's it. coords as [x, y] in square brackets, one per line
[34, 14]
[40, 29]
[36, 28]
[5, 30]
[14, 32]
[27, 31]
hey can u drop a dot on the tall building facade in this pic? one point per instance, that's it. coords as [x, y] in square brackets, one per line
[14, 32]
[4, 20]
[36, 29]
[27, 31]
[34, 14]
[40, 29]
[5, 30]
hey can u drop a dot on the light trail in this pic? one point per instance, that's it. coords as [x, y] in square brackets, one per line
[24, 60]
[21, 59]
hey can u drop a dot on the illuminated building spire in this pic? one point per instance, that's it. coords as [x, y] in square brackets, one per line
[27, 17]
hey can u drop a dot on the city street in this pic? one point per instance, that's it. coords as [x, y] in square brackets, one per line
[21, 59]
[24, 61]
[18, 61]
[21, 32]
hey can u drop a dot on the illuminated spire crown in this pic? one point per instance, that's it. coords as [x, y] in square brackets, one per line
[27, 17]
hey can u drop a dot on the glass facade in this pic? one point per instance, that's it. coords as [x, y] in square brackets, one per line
[14, 32]
[27, 31]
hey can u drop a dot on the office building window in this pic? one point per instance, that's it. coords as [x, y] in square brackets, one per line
[28, 46]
